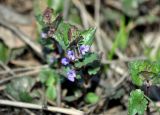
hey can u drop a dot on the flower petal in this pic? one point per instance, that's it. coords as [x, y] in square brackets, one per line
[71, 79]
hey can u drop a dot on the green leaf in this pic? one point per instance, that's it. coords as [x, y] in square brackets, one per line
[130, 7]
[122, 35]
[61, 35]
[20, 88]
[133, 67]
[88, 59]
[78, 76]
[48, 76]
[137, 102]
[39, 18]
[57, 20]
[43, 75]
[91, 98]
[93, 71]
[51, 92]
[51, 80]
[156, 80]
[4, 53]
[121, 39]
[88, 36]
[25, 97]
[57, 5]
[143, 70]
[48, 43]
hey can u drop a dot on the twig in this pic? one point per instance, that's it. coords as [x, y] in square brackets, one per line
[28, 111]
[58, 87]
[35, 70]
[66, 9]
[115, 5]
[6, 68]
[97, 20]
[156, 45]
[82, 13]
[58, 99]
[2, 87]
[115, 86]
[19, 75]
[40, 107]
[23, 69]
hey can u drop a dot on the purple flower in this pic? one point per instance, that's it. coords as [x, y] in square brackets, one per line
[84, 49]
[71, 74]
[70, 55]
[51, 60]
[43, 35]
[65, 61]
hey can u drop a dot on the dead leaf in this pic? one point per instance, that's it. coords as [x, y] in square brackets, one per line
[10, 40]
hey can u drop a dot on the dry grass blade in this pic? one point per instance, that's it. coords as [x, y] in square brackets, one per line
[40, 107]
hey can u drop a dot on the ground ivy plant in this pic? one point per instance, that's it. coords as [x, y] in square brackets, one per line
[143, 72]
[67, 48]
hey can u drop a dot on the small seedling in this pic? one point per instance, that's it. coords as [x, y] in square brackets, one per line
[67, 50]
[142, 73]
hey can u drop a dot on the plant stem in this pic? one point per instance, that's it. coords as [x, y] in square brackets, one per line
[147, 93]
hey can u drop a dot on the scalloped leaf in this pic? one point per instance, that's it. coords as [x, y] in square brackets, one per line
[133, 67]
[61, 35]
[89, 58]
[156, 80]
[88, 36]
[137, 102]
[143, 70]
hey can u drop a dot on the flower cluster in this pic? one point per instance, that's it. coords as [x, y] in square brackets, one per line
[77, 59]
[70, 57]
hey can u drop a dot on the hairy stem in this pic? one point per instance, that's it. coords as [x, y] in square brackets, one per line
[147, 93]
